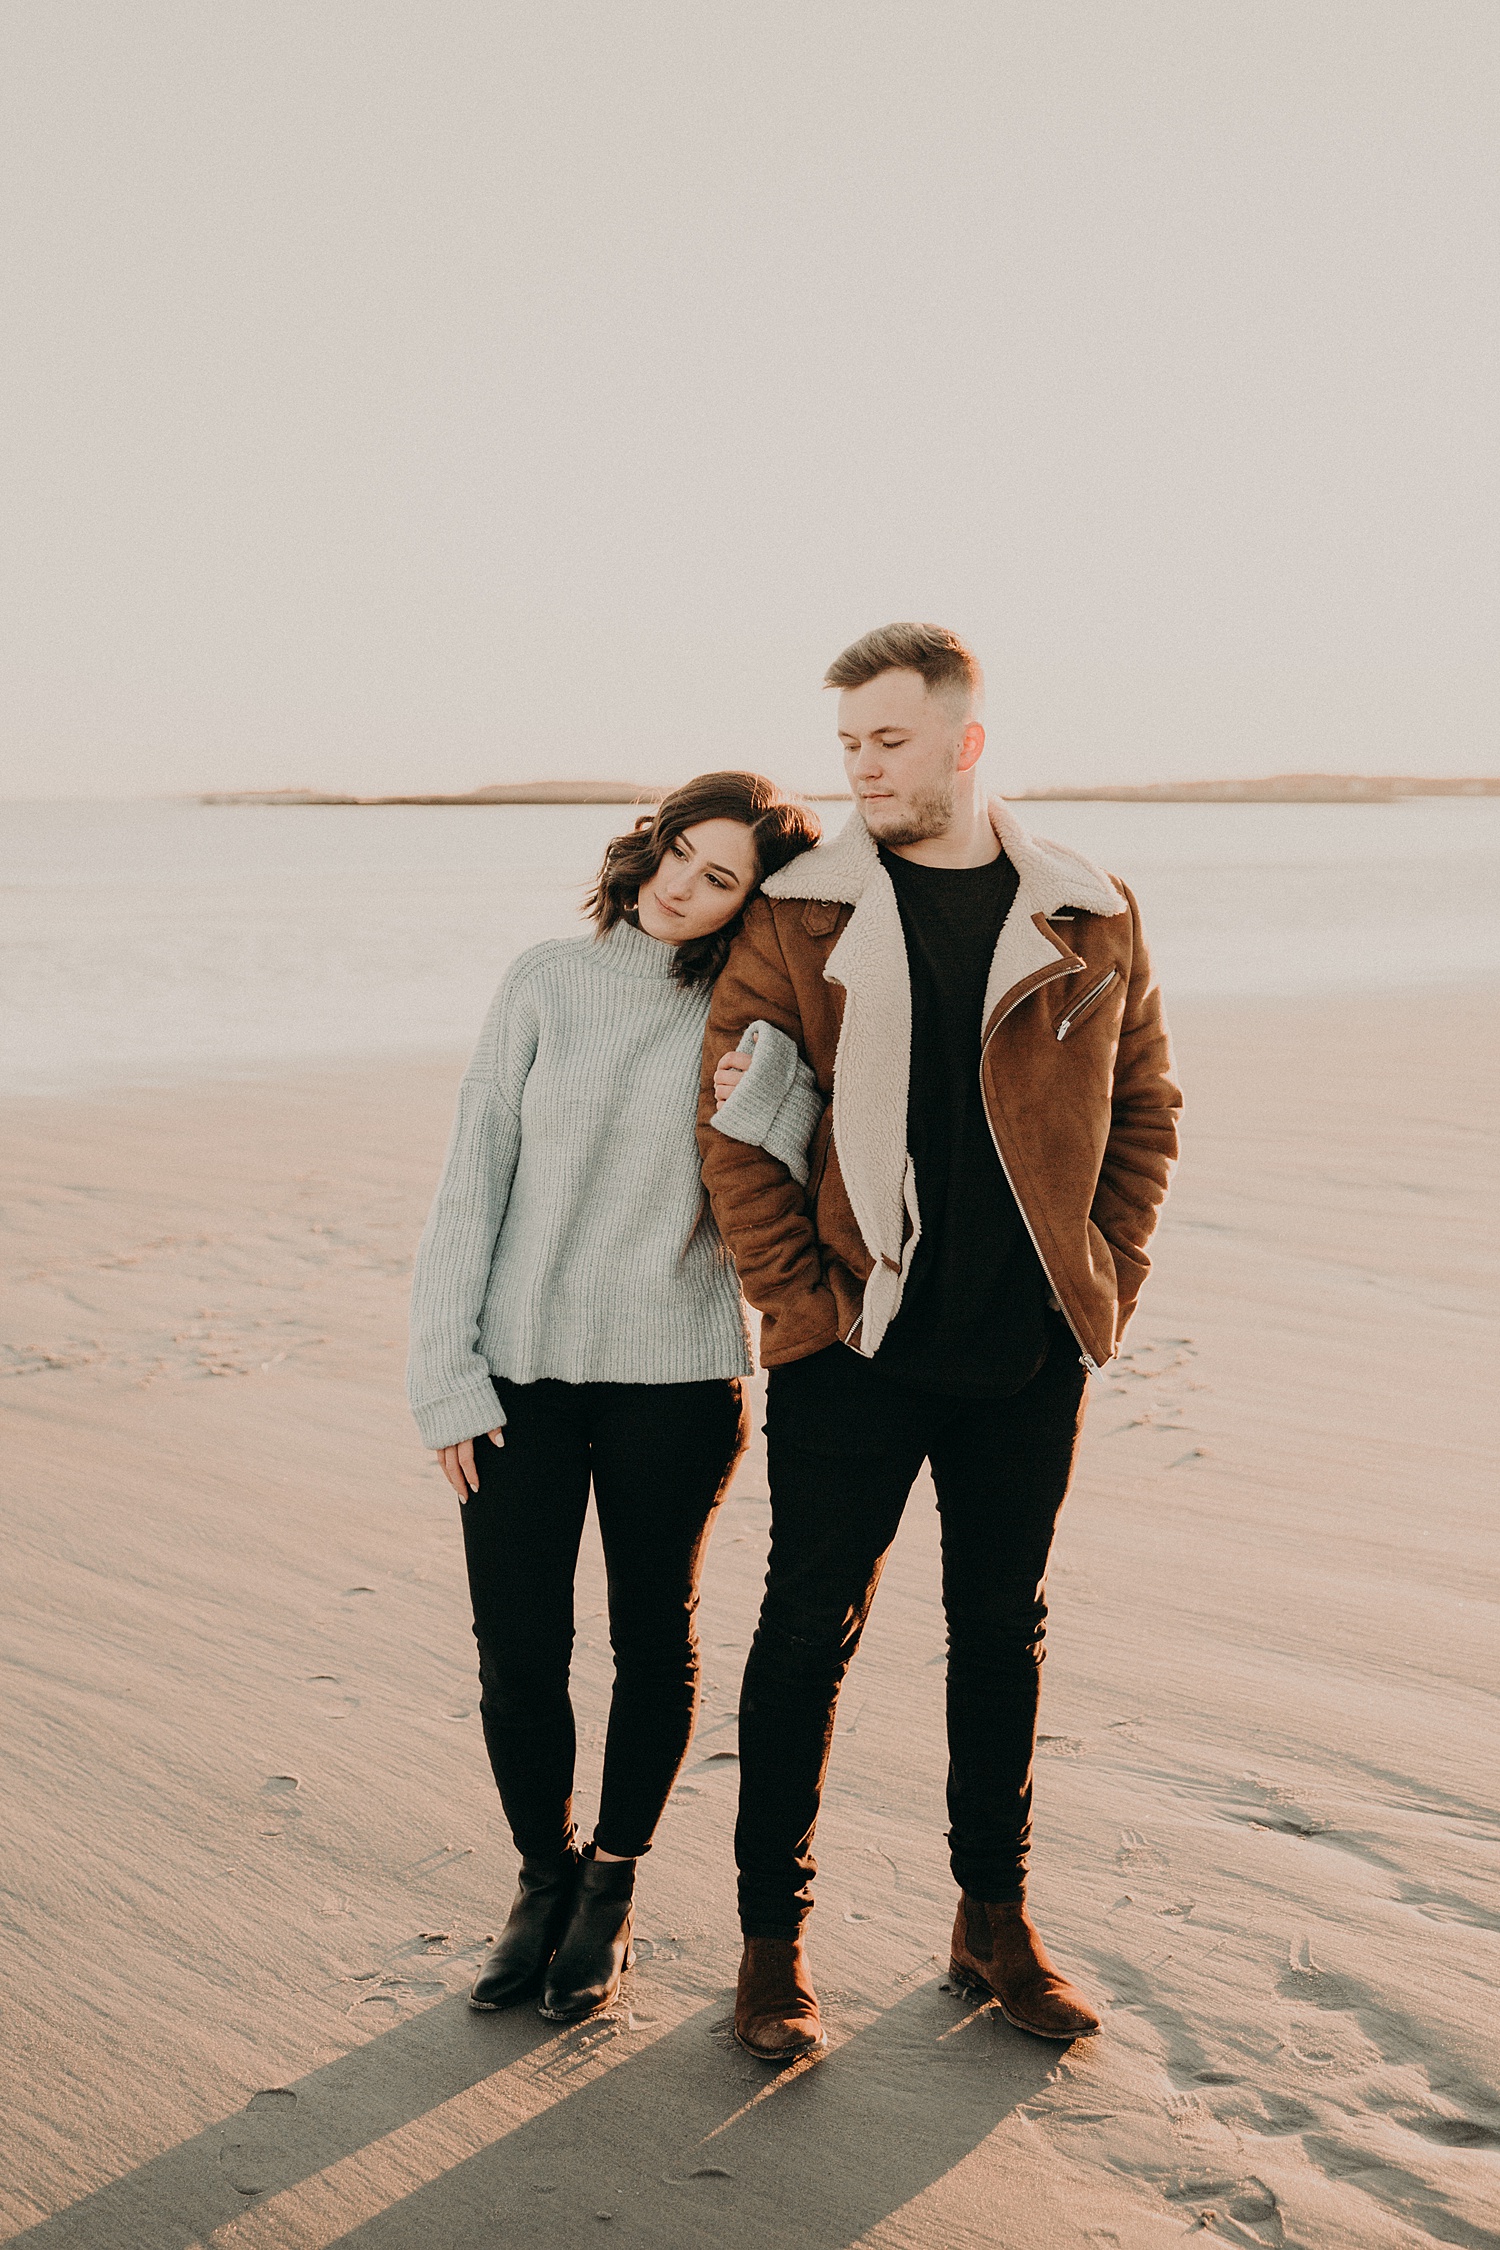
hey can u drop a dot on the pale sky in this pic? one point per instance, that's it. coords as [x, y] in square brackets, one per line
[418, 393]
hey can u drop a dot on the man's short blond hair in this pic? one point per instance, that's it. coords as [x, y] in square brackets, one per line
[946, 665]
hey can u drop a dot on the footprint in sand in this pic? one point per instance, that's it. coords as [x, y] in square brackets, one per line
[1284, 1811]
[1139, 1855]
[333, 1700]
[397, 1996]
[1244, 2211]
[255, 2164]
[1448, 2132]
[281, 1788]
[247, 2169]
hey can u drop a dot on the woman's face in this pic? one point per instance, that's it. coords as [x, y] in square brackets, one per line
[705, 877]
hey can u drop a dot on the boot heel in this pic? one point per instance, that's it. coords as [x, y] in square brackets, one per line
[966, 1981]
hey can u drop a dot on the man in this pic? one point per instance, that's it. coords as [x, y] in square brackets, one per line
[978, 1008]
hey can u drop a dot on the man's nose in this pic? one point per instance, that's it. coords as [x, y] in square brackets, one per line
[865, 764]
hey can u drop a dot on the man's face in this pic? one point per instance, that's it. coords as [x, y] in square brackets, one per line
[903, 749]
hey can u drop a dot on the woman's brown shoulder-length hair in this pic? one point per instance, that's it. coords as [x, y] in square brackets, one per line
[779, 827]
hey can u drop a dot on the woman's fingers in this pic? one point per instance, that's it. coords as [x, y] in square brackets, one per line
[731, 1070]
[457, 1463]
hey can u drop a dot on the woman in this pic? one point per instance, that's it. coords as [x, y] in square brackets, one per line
[574, 1311]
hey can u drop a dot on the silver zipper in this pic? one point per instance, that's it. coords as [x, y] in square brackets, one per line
[1083, 1352]
[1087, 1001]
[1050, 978]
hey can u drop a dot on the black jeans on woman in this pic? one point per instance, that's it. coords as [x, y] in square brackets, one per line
[845, 1446]
[659, 1456]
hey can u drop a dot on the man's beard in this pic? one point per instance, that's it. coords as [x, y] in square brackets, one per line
[915, 821]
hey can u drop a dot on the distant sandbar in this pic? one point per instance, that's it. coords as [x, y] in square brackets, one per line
[1275, 789]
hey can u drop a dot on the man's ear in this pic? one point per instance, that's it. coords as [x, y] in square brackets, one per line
[970, 746]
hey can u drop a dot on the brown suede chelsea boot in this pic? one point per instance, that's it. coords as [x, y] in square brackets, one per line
[775, 2007]
[998, 1951]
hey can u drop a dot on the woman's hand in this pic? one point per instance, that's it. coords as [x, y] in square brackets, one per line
[457, 1463]
[731, 1070]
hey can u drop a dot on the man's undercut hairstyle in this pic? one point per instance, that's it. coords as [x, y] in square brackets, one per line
[779, 828]
[946, 665]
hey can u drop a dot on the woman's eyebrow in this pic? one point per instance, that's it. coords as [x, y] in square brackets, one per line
[718, 868]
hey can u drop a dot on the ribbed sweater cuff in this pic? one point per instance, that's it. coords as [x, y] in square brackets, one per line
[462, 1414]
[776, 1105]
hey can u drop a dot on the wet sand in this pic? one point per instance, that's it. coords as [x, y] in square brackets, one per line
[253, 1852]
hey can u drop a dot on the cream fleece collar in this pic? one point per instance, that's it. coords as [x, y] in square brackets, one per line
[1052, 876]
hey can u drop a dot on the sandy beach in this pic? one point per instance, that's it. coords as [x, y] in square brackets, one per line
[253, 1851]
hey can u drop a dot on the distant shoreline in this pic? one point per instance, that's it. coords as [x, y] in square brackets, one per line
[1278, 789]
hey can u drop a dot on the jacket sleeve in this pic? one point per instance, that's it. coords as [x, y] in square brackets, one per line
[759, 1209]
[447, 1377]
[1142, 1145]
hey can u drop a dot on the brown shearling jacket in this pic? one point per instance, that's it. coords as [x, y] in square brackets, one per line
[1075, 1071]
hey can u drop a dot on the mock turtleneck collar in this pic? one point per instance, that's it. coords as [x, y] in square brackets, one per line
[633, 954]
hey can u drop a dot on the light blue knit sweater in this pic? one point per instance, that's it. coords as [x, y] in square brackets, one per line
[571, 1236]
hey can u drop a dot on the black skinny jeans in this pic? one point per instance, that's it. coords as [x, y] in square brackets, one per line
[660, 1456]
[845, 1446]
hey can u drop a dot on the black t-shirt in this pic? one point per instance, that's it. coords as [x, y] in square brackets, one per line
[973, 1321]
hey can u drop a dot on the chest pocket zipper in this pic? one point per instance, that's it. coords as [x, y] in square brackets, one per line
[1082, 1007]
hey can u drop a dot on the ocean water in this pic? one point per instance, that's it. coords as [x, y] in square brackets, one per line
[146, 942]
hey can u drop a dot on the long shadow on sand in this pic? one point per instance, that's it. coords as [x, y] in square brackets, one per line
[454, 2131]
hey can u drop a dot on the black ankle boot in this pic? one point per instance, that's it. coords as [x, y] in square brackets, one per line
[538, 1916]
[594, 1950]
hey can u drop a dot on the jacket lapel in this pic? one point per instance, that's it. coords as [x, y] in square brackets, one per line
[872, 1066]
[1049, 878]
[871, 1074]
